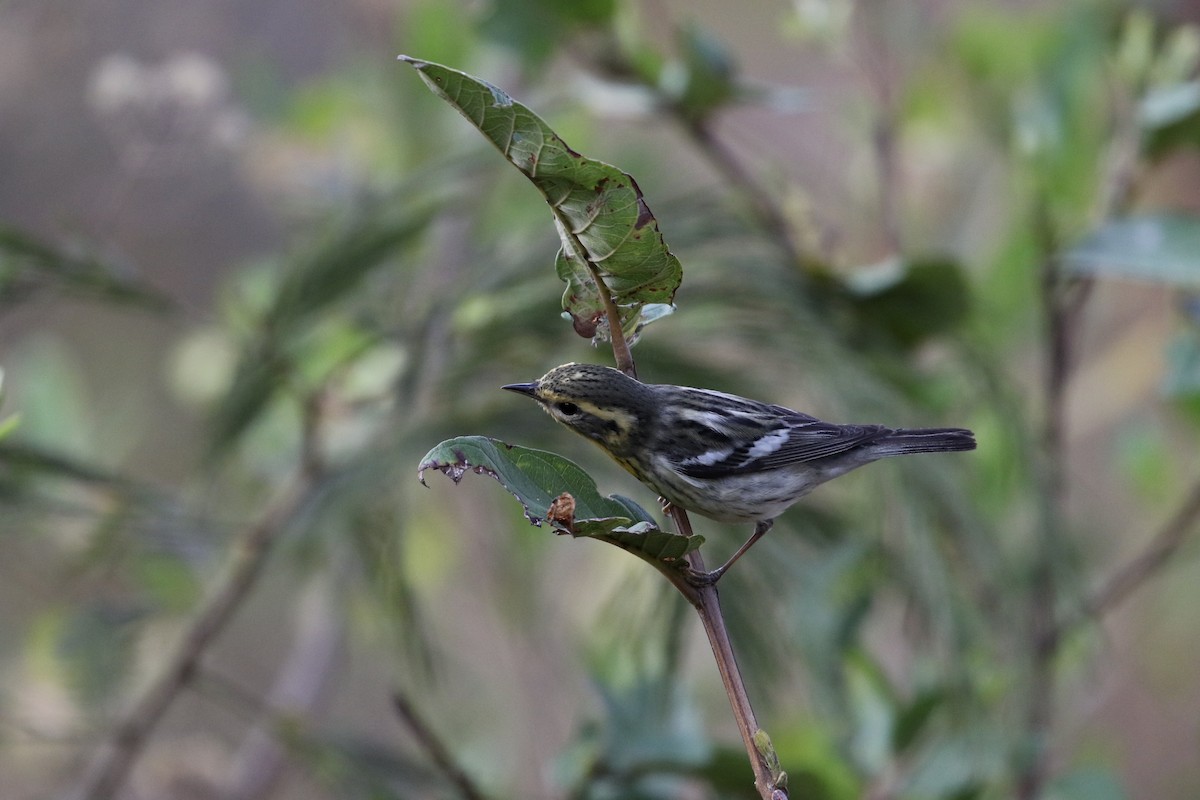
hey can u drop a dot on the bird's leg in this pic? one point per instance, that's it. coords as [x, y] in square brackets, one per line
[709, 578]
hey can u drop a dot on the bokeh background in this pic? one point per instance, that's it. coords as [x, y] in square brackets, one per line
[251, 270]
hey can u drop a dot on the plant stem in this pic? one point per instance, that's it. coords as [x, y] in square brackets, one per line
[707, 603]
[1043, 595]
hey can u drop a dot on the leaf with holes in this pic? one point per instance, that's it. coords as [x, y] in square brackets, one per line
[608, 233]
[553, 489]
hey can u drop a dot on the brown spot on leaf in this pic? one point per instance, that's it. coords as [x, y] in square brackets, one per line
[586, 326]
[562, 512]
[644, 216]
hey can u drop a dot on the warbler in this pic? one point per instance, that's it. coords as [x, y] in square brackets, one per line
[725, 457]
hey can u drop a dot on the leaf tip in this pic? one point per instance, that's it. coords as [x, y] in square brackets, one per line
[415, 62]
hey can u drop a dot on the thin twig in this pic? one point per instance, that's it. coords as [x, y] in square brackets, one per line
[766, 210]
[437, 751]
[1142, 567]
[111, 766]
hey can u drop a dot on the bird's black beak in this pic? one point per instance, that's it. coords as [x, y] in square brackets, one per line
[528, 389]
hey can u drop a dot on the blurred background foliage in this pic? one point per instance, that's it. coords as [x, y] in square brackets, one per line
[251, 270]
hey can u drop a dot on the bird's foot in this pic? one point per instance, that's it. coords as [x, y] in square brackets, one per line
[701, 578]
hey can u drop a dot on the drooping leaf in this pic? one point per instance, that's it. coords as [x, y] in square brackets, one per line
[1160, 248]
[539, 479]
[608, 232]
[28, 264]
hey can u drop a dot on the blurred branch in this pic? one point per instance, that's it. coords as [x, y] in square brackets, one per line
[1063, 302]
[110, 768]
[437, 750]
[770, 216]
[1142, 567]
[29, 265]
[1043, 591]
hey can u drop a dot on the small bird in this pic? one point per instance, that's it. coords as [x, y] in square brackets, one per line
[724, 457]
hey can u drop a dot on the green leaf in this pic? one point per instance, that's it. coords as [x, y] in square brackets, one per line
[1160, 248]
[28, 265]
[1086, 784]
[1183, 366]
[906, 301]
[534, 28]
[7, 424]
[324, 275]
[96, 645]
[607, 230]
[538, 478]
[703, 80]
[912, 719]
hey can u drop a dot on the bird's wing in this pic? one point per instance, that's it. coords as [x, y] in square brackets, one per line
[770, 438]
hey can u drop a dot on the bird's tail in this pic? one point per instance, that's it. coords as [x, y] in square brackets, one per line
[925, 440]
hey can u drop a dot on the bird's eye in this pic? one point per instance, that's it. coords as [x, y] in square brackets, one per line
[570, 409]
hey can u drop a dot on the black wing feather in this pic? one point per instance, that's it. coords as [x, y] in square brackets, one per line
[808, 439]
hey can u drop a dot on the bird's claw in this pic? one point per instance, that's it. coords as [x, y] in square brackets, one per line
[701, 578]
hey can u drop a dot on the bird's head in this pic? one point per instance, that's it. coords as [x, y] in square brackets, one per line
[601, 403]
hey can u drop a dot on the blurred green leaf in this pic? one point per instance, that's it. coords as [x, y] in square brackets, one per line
[906, 302]
[1170, 117]
[314, 282]
[1086, 784]
[96, 645]
[28, 265]
[652, 722]
[535, 28]
[1143, 454]
[7, 424]
[649, 744]
[336, 266]
[703, 80]
[1183, 365]
[1160, 248]
[168, 581]
[601, 216]
[537, 479]
[1168, 105]
[913, 718]
[873, 709]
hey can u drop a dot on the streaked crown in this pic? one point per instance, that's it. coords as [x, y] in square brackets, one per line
[598, 402]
